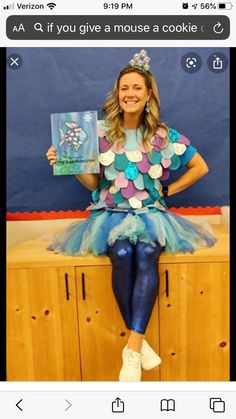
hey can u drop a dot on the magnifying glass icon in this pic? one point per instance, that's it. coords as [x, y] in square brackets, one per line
[38, 27]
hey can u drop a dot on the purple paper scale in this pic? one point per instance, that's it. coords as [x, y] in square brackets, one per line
[144, 165]
[129, 191]
[183, 140]
[109, 201]
[165, 175]
[104, 145]
[158, 143]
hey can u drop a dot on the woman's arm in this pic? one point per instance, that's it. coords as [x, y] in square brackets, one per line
[197, 168]
[89, 180]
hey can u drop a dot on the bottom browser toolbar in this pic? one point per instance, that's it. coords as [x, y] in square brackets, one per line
[107, 404]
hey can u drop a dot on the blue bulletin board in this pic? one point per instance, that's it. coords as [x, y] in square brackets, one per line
[54, 80]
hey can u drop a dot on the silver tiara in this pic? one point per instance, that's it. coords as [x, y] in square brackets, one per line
[140, 61]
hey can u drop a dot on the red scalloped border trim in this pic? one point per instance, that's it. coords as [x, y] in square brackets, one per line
[196, 210]
[53, 215]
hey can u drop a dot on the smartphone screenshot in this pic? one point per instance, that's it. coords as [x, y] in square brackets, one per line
[118, 292]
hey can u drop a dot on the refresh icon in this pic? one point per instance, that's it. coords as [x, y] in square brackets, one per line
[217, 28]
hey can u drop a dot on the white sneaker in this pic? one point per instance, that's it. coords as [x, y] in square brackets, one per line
[131, 368]
[149, 358]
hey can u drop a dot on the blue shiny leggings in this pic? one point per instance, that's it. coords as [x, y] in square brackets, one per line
[135, 281]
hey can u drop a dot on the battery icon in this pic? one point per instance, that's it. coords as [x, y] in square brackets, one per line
[225, 6]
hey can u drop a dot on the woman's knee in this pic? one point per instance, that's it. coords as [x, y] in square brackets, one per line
[146, 250]
[120, 250]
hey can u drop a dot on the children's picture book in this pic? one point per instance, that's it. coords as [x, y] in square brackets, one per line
[75, 137]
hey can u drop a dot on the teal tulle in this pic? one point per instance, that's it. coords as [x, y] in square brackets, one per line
[102, 228]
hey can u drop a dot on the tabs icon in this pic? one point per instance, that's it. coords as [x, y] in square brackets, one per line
[217, 405]
[168, 404]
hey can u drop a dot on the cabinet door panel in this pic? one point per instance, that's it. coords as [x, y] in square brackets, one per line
[102, 331]
[42, 326]
[194, 322]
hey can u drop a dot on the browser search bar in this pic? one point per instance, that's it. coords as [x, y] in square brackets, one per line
[100, 27]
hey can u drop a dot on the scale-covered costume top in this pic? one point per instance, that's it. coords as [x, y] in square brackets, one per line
[130, 176]
[127, 203]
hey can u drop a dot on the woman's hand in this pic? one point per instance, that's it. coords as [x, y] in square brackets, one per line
[52, 155]
[197, 168]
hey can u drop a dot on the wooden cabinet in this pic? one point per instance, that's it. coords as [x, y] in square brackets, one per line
[103, 334]
[194, 321]
[64, 324]
[101, 329]
[42, 325]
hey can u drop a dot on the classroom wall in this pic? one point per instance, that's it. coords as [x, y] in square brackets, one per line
[53, 80]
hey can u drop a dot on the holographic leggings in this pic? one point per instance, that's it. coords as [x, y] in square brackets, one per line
[135, 281]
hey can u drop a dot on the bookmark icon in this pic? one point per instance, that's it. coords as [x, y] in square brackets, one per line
[167, 404]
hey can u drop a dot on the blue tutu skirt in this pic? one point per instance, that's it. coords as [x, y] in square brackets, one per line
[102, 228]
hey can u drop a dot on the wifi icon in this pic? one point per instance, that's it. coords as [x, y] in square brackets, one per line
[51, 5]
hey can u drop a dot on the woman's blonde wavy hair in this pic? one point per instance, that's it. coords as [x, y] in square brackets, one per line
[149, 121]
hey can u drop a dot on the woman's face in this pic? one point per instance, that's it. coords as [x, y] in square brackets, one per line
[133, 93]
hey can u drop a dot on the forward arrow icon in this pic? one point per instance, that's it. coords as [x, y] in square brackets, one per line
[68, 405]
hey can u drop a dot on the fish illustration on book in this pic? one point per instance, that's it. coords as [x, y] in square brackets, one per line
[75, 136]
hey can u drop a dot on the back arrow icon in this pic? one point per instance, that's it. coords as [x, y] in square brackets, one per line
[17, 404]
[68, 404]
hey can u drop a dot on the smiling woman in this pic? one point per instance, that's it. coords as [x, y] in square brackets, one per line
[133, 96]
[134, 102]
[129, 219]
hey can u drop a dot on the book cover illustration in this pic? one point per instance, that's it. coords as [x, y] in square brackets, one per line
[75, 137]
